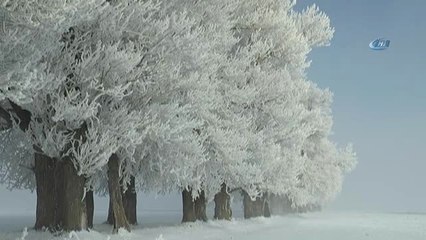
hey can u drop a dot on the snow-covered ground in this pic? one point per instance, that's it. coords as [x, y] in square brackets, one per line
[312, 226]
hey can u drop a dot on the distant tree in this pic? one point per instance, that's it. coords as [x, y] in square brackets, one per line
[277, 39]
[324, 164]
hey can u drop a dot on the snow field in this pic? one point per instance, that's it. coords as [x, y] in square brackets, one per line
[312, 226]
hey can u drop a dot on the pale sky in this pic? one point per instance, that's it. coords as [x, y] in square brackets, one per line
[379, 106]
[379, 99]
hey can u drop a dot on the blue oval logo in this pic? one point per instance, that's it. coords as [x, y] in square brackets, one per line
[380, 44]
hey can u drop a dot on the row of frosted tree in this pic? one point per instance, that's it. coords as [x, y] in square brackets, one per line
[202, 97]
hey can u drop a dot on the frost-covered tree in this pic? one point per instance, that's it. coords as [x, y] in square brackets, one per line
[30, 41]
[276, 53]
[278, 39]
[324, 164]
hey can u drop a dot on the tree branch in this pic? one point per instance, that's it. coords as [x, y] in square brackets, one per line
[4, 114]
[24, 116]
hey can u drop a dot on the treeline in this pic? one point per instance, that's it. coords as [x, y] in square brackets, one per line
[201, 97]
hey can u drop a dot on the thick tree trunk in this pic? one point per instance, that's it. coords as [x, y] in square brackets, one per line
[254, 208]
[44, 169]
[222, 208]
[130, 202]
[119, 215]
[71, 206]
[188, 207]
[59, 196]
[200, 206]
[90, 208]
[71, 211]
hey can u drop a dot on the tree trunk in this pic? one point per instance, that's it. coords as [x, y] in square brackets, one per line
[280, 205]
[222, 208]
[188, 206]
[254, 208]
[129, 204]
[71, 211]
[59, 196]
[130, 201]
[110, 218]
[266, 210]
[44, 169]
[72, 205]
[200, 207]
[119, 215]
[6, 119]
[90, 208]
[24, 116]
